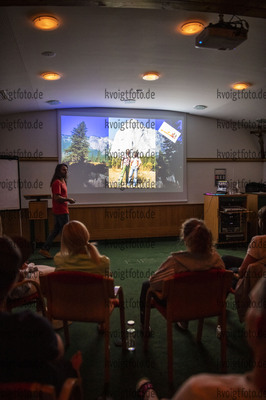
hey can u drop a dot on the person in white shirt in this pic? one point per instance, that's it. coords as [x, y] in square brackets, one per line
[134, 167]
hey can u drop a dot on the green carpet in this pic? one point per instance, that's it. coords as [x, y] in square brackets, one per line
[132, 262]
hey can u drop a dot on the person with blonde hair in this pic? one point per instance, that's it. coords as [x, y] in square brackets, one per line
[78, 254]
[199, 256]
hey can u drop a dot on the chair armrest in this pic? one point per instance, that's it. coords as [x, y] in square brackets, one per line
[158, 294]
[118, 293]
[116, 290]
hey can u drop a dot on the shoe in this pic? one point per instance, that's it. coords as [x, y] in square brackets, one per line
[145, 390]
[45, 253]
[182, 325]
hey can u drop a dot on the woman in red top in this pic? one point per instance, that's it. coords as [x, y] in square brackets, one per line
[60, 206]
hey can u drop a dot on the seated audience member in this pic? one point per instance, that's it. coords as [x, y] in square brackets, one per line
[200, 255]
[78, 254]
[25, 249]
[30, 350]
[245, 279]
[251, 385]
[256, 249]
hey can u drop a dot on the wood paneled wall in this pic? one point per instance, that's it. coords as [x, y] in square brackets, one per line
[112, 221]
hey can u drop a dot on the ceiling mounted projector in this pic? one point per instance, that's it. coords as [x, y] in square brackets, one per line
[223, 35]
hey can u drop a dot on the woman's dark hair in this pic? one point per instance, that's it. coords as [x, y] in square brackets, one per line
[57, 173]
[10, 262]
[24, 246]
[197, 236]
[262, 218]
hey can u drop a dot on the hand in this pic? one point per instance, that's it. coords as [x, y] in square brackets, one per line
[71, 201]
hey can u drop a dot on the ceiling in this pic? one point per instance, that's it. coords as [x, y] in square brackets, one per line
[103, 48]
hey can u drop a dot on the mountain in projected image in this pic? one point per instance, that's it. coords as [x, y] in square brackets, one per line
[134, 137]
[96, 145]
[95, 142]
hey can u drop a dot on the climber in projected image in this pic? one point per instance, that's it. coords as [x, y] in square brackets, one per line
[134, 167]
[125, 165]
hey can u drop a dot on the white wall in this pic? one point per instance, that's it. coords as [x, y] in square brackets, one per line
[210, 138]
[35, 135]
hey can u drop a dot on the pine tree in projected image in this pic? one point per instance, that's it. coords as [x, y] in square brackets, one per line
[168, 161]
[79, 148]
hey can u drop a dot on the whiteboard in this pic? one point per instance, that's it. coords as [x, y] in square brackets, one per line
[9, 183]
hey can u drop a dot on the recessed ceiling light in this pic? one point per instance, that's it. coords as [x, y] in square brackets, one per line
[46, 22]
[241, 85]
[200, 107]
[191, 27]
[53, 102]
[48, 53]
[151, 76]
[50, 76]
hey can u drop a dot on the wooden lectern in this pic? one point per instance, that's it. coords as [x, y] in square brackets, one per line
[38, 206]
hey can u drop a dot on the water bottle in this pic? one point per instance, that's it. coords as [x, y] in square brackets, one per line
[131, 335]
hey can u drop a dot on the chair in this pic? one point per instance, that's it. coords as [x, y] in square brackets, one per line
[36, 297]
[71, 390]
[190, 296]
[80, 296]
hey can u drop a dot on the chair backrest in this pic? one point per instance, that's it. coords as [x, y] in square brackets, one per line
[197, 294]
[26, 391]
[71, 390]
[78, 296]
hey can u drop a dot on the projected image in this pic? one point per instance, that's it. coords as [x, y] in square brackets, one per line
[132, 153]
[84, 146]
[113, 155]
[123, 153]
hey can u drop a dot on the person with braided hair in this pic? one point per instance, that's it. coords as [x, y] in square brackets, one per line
[199, 256]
